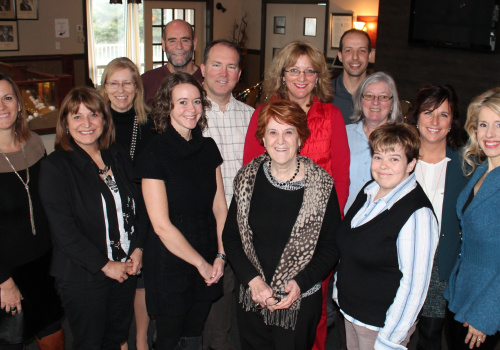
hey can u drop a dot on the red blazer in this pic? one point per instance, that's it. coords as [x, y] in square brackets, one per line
[330, 151]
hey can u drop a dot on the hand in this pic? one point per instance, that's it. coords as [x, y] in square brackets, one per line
[10, 297]
[205, 271]
[117, 270]
[475, 336]
[260, 291]
[217, 271]
[136, 259]
[293, 290]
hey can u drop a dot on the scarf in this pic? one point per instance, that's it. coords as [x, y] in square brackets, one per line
[303, 237]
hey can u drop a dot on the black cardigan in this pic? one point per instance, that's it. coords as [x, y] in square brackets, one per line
[71, 197]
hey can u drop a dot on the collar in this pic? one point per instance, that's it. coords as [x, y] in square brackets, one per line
[396, 194]
[229, 106]
[340, 87]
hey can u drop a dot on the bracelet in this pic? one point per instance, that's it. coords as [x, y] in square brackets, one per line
[221, 256]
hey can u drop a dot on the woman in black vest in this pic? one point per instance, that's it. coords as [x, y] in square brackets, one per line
[387, 242]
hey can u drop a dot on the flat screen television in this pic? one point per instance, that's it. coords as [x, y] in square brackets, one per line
[461, 24]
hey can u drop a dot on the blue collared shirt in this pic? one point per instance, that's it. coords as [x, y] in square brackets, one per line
[359, 170]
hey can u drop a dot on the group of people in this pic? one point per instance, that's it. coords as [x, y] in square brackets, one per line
[166, 197]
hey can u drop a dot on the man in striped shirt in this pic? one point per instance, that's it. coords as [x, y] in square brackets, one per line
[227, 124]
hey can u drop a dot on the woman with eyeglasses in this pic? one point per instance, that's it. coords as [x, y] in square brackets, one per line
[121, 87]
[299, 73]
[279, 235]
[376, 102]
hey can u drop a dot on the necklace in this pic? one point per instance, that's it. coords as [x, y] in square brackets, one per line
[134, 138]
[437, 184]
[104, 171]
[283, 183]
[26, 185]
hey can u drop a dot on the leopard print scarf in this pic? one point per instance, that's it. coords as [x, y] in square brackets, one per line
[303, 238]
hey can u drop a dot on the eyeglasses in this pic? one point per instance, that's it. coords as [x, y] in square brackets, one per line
[381, 98]
[273, 300]
[126, 85]
[294, 72]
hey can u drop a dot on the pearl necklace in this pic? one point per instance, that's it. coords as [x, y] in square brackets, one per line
[26, 185]
[283, 183]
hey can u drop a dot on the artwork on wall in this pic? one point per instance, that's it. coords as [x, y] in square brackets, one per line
[340, 23]
[27, 9]
[279, 25]
[309, 26]
[9, 40]
[7, 9]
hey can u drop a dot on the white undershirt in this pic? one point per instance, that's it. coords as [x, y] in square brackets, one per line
[123, 235]
[432, 178]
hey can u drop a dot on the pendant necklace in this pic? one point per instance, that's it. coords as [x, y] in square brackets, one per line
[26, 184]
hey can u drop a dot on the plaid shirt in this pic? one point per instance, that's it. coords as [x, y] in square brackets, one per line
[229, 129]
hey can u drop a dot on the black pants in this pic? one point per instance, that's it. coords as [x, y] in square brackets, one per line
[457, 333]
[429, 333]
[255, 335]
[99, 312]
[171, 328]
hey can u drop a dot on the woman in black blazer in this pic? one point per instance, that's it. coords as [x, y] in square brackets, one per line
[435, 113]
[91, 205]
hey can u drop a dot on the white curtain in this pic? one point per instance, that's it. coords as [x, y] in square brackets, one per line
[132, 39]
[90, 45]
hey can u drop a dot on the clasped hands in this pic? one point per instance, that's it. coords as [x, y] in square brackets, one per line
[120, 271]
[212, 273]
[265, 297]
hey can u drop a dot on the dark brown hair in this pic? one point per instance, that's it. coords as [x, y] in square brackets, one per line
[21, 124]
[285, 112]
[429, 97]
[387, 136]
[91, 99]
[162, 104]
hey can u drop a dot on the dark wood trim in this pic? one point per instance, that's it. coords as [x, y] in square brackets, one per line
[253, 52]
[30, 58]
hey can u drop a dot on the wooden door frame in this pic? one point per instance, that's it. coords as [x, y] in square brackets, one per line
[264, 23]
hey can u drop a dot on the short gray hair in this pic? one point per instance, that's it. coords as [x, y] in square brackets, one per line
[357, 98]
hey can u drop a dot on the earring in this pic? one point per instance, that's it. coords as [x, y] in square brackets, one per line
[67, 131]
[299, 150]
[417, 126]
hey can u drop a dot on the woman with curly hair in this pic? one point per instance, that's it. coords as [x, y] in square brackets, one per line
[473, 291]
[299, 73]
[182, 187]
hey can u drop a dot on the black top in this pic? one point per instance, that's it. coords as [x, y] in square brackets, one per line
[124, 126]
[273, 213]
[19, 244]
[188, 169]
[368, 274]
[71, 196]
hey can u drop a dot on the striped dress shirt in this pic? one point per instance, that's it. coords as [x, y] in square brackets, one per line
[416, 245]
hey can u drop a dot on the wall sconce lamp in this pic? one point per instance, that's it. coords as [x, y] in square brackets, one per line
[370, 25]
[359, 26]
[219, 6]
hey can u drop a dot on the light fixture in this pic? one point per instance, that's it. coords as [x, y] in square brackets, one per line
[359, 25]
[219, 6]
[370, 27]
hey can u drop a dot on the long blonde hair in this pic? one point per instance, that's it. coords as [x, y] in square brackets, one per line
[288, 56]
[124, 63]
[472, 153]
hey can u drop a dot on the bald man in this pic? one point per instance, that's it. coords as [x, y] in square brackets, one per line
[179, 43]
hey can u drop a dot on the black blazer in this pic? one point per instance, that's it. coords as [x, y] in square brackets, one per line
[450, 238]
[70, 194]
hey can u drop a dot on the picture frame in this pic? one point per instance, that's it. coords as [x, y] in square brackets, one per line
[310, 26]
[9, 38]
[279, 25]
[340, 23]
[7, 9]
[27, 9]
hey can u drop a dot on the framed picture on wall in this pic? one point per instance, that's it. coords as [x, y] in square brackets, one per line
[340, 23]
[7, 9]
[9, 39]
[27, 9]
